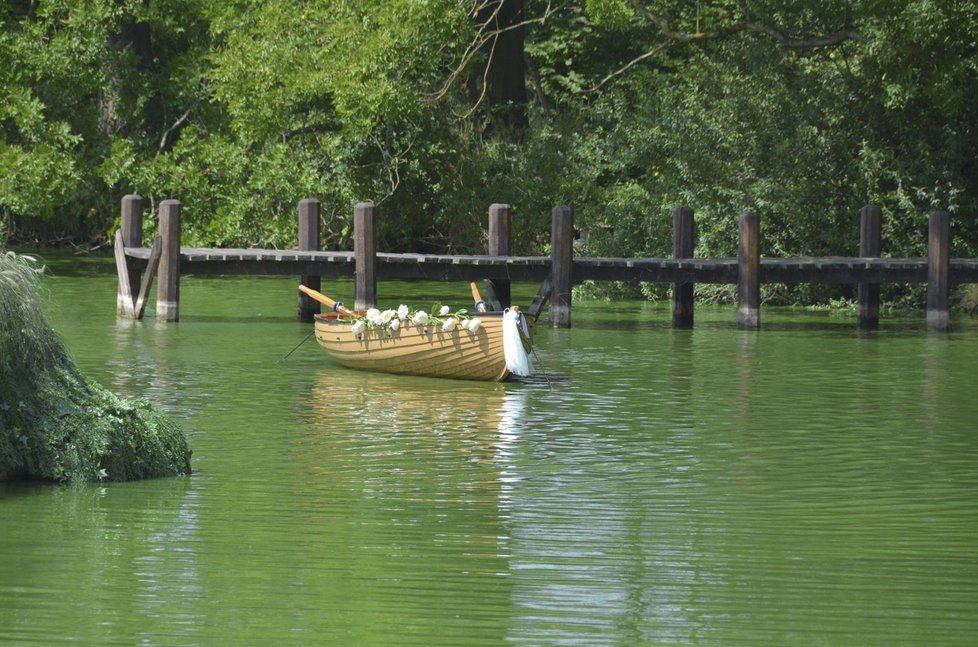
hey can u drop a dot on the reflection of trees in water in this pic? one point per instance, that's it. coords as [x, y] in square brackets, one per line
[101, 564]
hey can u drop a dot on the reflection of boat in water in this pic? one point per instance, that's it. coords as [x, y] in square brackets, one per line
[408, 407]
[495, 345]
[403, 487]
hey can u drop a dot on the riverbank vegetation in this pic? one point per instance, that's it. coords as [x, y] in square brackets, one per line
[624, 109]
[55, 425]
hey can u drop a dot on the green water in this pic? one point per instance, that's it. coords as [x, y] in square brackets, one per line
[805, 485]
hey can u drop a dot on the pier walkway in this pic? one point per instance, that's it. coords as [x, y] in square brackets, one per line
[556, 273]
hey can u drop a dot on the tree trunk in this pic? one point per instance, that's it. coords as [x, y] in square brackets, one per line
[137, 37]
[500, 81]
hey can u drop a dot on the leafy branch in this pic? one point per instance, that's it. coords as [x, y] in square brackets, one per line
[673, 36]
[488, 31]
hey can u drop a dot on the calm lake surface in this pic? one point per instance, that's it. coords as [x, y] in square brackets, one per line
[807, 484]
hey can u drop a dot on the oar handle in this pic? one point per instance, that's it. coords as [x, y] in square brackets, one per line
[480, 305]
[335, 306]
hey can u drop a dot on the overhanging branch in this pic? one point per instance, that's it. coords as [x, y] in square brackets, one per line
[673, 36]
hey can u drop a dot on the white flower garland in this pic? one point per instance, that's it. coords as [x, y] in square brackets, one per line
[392, 320]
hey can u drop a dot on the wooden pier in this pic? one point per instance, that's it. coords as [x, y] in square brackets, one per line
[556, 274]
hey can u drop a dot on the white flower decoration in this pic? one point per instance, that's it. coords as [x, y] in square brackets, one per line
[473, 324]
[372, 314]
[358, 326]
[444, 311]
[402, 312]
[420, 318]
[395, 324]
[449, 324]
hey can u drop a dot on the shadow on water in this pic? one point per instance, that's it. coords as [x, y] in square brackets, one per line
[541, 378]
[657, 318]
[64, 263]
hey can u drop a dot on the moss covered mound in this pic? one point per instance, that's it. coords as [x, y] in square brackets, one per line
[54, 424]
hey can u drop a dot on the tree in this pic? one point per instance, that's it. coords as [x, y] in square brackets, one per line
[624, 109]
[499, 79]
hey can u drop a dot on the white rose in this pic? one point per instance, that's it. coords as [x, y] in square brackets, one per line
[420, 317]
[395, 324]
[473, 324]
[449, 324]
[358, 326]
[372, 314]
[444, 311]
[387, 315]
[378, 321]
[402, 312]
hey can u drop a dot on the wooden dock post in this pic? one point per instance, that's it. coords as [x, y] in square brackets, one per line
[131, 227]
[561, 259]
[365, 254]
[499, 290]
[938, 266]
[168, 288]
[308, 242]
[870, 226]
[749, 272]
[682, 247]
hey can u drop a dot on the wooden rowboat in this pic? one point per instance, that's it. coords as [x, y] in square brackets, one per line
[498, 346]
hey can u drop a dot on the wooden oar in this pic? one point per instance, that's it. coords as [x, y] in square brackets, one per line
[480, 305]
[335, 306]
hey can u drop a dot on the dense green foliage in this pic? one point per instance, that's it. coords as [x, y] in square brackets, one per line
[804, 111]
[54, 424]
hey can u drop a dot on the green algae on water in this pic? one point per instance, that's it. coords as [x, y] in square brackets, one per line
[54, 424]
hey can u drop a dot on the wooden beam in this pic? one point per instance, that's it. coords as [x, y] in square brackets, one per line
[123, 305]
[168, 289]
[540, 300]
[748, 272]
[870, 228]
[682, 247]
[561, 257]
[151, 266]
[938, 264]
[365, 254]
[498, 291]
[308, 212]
[131, 226]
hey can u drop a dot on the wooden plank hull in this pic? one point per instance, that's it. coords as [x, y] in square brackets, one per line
[420, 350]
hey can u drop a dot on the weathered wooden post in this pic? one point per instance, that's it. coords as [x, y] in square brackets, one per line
[682, 247]
[132, 236]
[870, 226]
[308, 242]
[365, 254]
[938, 267]
[168, 289]
[561, 260]
[499, 240]
[749, 272]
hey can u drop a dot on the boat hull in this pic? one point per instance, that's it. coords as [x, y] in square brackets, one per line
[420, 350]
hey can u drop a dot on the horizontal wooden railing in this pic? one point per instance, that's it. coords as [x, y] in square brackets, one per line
[556, 273]
[204, 261]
